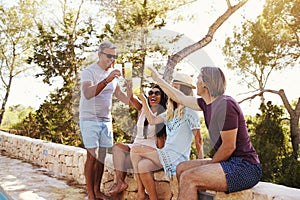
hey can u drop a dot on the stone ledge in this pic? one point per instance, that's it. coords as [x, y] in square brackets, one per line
[262, 191]
[67, 162]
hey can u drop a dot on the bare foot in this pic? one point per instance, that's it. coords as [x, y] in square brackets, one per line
[101, 195]
[117, 188]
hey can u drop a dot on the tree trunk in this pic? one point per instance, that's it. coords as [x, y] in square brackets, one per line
[294, 116]
[176, 58]
[2, 110]
[294, 121]
[294, 126]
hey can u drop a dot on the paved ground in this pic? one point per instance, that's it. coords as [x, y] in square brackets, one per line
[22, 181]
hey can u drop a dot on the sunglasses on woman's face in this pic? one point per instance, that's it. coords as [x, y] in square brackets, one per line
[156, 93]
[110, 55]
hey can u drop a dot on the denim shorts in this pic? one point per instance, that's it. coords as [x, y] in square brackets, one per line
[96, 134]
[240, 174]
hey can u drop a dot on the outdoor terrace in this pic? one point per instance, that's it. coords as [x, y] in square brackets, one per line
[40, 170]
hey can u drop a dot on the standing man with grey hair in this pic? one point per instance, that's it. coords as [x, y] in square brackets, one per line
[98, 85]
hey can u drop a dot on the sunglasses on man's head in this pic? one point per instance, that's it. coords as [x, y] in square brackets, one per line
[157, 93]
[110, 55]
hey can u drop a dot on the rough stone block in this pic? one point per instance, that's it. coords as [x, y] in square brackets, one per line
[81, 164]
[62, 158]
[174, 187]
[107, 177]
[245, 194]
[81, 179]
[69, 161]
[107, 186]
[76, 158]
[163, 190]
[277, 192]
[132, 184]
[161, 176]
[130, 195]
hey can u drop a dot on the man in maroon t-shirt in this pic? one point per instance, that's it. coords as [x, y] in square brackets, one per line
[235, 165]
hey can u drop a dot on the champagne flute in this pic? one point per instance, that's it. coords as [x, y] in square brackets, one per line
[128, 70]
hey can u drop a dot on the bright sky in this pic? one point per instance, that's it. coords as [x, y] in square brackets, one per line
[33, 92]
[287, 79]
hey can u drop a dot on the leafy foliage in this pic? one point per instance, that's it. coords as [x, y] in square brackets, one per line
[132, 27]
[290, 171]
[53, 121]
[124, 121]
[16, 26]
[15, 114]
[59, 53]
[272, 144]
[207, 147]
[282, 21]
[269, 43]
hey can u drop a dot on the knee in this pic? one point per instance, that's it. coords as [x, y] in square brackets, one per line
[180, 169]
[102, 154]
[90, 159]
[91, 154]
[116, 148]
[132, 151]
[143, 166]
[134, 154]
[135, 150]
[183, 177]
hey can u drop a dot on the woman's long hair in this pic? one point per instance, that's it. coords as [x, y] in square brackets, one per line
[172, 105]
[160, 129]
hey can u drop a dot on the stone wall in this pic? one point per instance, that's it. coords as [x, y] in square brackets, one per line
[61, 160]
[68, 162]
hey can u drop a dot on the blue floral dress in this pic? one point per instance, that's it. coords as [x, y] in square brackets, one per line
[179, 139]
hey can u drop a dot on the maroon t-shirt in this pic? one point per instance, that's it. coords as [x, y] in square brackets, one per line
[225, 114]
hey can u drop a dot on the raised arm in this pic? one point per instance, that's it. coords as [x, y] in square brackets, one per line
[128, 99]
[174, 94]
[91, 91]
[152, 119]
[121, 95]
[134, 102]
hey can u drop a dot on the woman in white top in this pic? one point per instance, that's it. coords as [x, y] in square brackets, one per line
[182, 124]
[146, 134]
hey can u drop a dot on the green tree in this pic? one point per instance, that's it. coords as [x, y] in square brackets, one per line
[55, 54]
[14, 115]
[268, 139]
[134, 21]
[175, 58]
[133, 24]
[270, 43]
[272, 143]
[290, 171]
[59, 52]
[27, 127]
[16, 27]
[131, 32]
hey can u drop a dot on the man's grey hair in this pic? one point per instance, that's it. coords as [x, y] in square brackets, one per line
[214, 79]
[104, 45]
